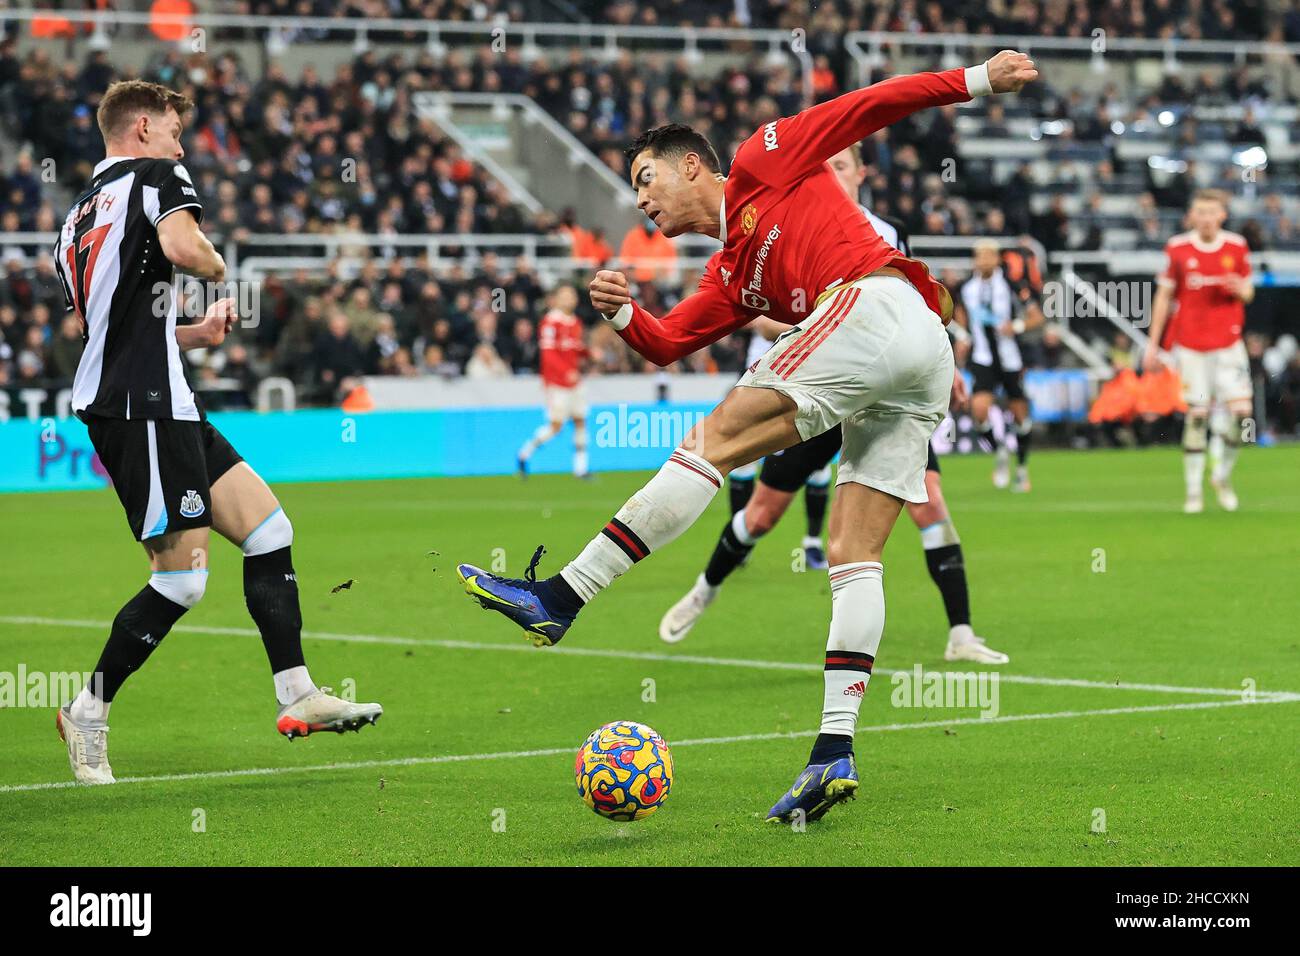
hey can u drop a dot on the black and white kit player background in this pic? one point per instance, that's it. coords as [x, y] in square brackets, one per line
[176, 475]
[987, 306]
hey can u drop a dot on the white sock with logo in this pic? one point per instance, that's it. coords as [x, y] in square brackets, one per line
[291, 684]
[857, 623]
[668, 505]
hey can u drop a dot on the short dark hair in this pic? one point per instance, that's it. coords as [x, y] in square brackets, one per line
[127, 99]
[674, 140]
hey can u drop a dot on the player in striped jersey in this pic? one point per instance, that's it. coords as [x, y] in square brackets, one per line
[175, 474]
[785, 472]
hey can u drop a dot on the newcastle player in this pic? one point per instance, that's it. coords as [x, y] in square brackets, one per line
[177, 477]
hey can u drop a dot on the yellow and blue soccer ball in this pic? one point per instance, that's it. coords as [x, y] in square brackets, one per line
[624, 771]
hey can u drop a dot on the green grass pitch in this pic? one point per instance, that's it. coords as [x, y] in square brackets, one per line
[1095, 579]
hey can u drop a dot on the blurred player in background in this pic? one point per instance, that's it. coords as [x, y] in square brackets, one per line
[784, 472]
[562, 349]
[987, 307]
[178, 478]
[1207, 277]
[869, 351]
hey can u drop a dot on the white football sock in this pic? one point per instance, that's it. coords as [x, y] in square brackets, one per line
[291, 684]
[579, 449]
[540, 437]
[1194, 472]
[668, 505]
[857, 622]
[87, 709]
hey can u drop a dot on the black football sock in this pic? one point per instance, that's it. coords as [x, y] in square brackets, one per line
[138, 628]
[830, 747]
[271, 593]
[1022, 443]
[948, 571]
[739, 491]
[727, 556]
[558, 595]
[814, 503]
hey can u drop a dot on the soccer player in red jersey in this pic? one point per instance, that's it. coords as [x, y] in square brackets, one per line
[868, 350]
[560, 342]
[1207, 274]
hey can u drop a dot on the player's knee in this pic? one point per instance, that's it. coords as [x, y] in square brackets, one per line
[927, 515]
[761, 517]
[272, 534]
[580, 435]
[1195, 424]
[180, 587]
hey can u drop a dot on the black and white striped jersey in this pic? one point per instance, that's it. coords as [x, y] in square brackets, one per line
[112, 267]
[889, 229]
[990, 302]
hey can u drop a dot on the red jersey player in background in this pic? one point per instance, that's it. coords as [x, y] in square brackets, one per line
[868, 350]
[562, 349]
[1207, 273]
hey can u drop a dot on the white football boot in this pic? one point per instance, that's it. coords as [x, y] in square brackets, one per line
[1002, 468]
[1223, 491]
[681, 617]
[1022, 484]
[321, 710]
[1193, 504]
[87, 749]
[963, 645]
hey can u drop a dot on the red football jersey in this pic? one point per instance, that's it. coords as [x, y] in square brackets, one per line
[559, 340]
[789, 231]
[1209, 316]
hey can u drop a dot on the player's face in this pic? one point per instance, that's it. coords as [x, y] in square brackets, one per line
[661, 192]
[848, 171]
[986, 260]
[162, 136]
[566, 299]
[1207, 216]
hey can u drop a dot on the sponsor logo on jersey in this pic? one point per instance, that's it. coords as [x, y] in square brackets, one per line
[749, 218]
[726, 275]
[769, 136]
[191, 504]
[750, 295]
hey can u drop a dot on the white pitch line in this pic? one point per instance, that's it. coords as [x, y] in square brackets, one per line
[696, 742]
[658, 657]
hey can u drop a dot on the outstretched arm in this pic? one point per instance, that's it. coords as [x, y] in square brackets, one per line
[699, 320]
[787, 149]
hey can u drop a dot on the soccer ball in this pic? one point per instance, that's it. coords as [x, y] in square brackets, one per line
[624, 771]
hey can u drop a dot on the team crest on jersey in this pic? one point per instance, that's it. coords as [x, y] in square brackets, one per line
[191, 504]
[1228, 262]
[749, 218]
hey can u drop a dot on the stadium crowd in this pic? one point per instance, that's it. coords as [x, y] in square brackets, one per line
[314, 153]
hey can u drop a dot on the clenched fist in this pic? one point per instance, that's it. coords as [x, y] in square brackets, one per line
[609, 291]
[1010, 70]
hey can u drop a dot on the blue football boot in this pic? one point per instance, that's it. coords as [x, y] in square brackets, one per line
[818, 788]
[517, 599]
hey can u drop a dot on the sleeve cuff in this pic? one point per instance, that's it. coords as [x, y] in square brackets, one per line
[977, 81]
[620, 319]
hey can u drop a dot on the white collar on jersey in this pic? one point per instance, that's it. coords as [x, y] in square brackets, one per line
[1200, 246]
[107, 162]
[722, 220]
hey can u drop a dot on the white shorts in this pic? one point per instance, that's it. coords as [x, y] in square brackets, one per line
[563, 404]
[1221, 375]
[875, 357]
